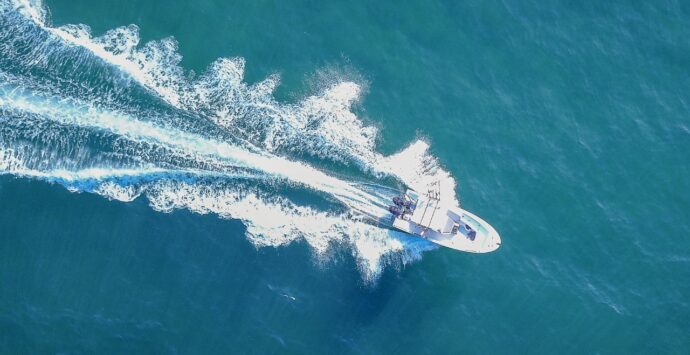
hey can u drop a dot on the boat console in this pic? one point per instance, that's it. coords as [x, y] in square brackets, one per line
[428, 217]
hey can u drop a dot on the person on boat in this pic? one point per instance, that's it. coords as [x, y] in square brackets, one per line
[471, 233]
[407, 203]
[398, 201]
[395, 210]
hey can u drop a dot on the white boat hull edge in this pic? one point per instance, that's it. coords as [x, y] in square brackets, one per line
[485, 240]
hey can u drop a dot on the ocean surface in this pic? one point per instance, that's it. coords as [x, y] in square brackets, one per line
[196, 177]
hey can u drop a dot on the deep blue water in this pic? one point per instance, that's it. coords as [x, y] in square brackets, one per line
[146, 205]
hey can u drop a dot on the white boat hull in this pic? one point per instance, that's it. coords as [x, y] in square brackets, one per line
[427, 216]
[452, 227]
[486, 239]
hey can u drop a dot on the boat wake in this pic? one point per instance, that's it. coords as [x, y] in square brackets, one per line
[104, 115]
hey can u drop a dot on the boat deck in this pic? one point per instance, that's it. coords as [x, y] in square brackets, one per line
[451, 227]
[486, 239]
[429, 213]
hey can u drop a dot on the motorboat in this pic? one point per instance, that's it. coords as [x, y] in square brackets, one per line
[430, 217]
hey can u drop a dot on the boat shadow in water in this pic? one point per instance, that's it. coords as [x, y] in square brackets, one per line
[396, 298]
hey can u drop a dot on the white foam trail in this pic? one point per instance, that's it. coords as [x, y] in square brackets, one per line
[118, 47]
[322, 125]
[419, 169]
[120, 124]
[273, 222]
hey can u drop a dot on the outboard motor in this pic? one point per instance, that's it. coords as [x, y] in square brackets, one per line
[395, 210]
[398, 201]
[407, 204]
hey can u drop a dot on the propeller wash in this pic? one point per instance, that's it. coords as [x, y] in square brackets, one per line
[110, 116]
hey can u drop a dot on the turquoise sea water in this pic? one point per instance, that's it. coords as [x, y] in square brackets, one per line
[130, 224]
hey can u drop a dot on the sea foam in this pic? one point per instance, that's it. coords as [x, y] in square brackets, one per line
[177, 168]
